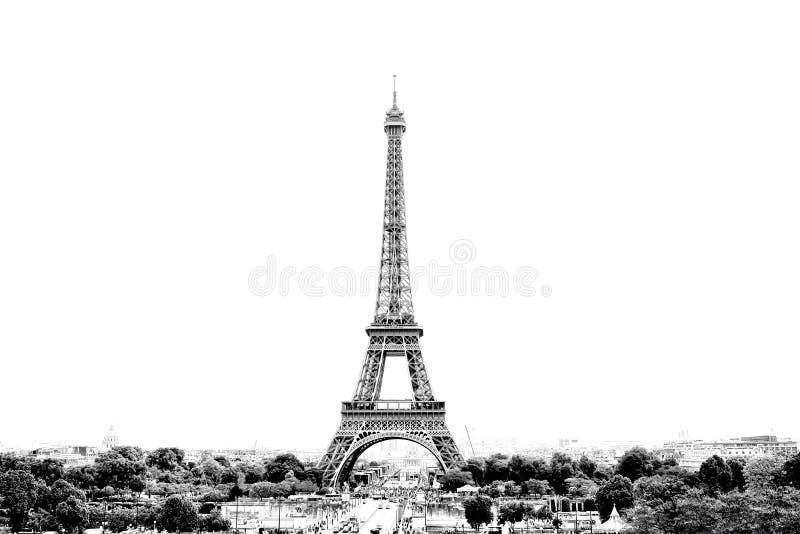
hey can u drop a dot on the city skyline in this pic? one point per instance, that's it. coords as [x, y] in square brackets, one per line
[504, 444]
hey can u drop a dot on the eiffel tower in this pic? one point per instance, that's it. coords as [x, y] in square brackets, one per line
[367, 419]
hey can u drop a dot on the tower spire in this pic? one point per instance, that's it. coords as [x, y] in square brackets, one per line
[394, 91]
[393, 306]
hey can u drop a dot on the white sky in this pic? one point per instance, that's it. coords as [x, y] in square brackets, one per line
[643, 157]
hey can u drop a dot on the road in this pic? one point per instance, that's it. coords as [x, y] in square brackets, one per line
[375, 517]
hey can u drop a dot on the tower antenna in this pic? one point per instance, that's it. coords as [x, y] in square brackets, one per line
[394, 90]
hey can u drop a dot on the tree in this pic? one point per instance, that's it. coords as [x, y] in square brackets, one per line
[84, 477]
[696, 513]
[252, 473]
[314, 474]
[522, 468]
[178, 514]
[716, 474]
[119, 518]
[476, 467]
[235, 492]
[266, 490]
[659, 489]
[689, 478]
[617, 491]
[587, 466]
[762, 474]
[166, 458]
[538, 487]
[283, 463]
[790, 473]
[72, 514]
[496, 468]
[209, 470]
[60, 491]
[770, 510]
[636, 463]
[579, 487]
[48, 470]
[304, 486]
[18, 493]
[478, 510]
[514, 512]
[229, 476]
[736, 466]
[214, 522]
[452, 480]
[121, 467]
[511, 488]
[262, 490]
[137, 484]
[10, 462]
[602, 473]
[561, 468]
[495, 489]
[206, 508]
[215, 496]
[130, 453]
[43, 521]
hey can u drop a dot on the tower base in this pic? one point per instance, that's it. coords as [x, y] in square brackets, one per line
[369, 422]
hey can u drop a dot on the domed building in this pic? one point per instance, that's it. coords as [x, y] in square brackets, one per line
[110, 440]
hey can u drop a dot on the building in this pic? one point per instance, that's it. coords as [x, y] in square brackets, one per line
[584, 521]
[11, 451]
[605, 453]
[692, 453]
[110, 440]
[69, 455]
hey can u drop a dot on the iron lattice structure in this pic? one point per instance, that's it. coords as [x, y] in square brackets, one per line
[367, 420]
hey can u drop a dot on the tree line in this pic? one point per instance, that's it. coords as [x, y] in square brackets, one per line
[45, 495]
[725, 496]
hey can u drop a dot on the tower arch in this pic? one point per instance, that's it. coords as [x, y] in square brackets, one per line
[360, 447]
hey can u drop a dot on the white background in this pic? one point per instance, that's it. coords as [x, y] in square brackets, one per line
[642, 156]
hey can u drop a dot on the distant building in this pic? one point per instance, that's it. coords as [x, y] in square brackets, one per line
[110, 440]
[69, 455]
[602, 453]
[566, 443]
[11, 451]
[692, 453]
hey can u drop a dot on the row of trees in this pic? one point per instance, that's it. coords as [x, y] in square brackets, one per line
[724, 496]
[26, 500]
[43, 494]
[164, 471]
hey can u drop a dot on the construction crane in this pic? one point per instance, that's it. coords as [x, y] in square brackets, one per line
[470, 441]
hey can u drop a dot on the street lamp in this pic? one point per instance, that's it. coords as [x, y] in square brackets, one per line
[426, 512]
[280, 500]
